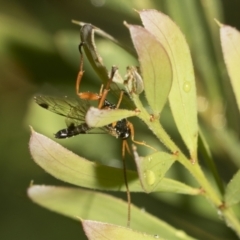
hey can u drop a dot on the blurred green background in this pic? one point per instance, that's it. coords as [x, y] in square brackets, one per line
[39, 54]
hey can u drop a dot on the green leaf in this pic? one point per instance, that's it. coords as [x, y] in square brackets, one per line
[229, 142]
[202, 38]
[230, 41]
[182, 96]
[152, 168]
[104, 231]
[101, 117]
[207, 156]
[75, 203]
[67, 166]
[232, 195]
[155, 67]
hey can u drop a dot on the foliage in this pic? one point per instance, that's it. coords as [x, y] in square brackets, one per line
[167, 72]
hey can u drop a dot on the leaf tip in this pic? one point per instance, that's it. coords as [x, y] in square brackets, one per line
[31, 129]
[135, 10]
[80, 219]
[31, 183]
[218, 23]
[126, 24]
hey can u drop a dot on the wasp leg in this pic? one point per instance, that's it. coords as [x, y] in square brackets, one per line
[120, 99]
[84, 95]
[130, 126]
[106, 88]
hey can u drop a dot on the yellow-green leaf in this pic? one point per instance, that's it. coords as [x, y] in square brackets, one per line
[101, 117]
[152, 168]
[67, 166]
[78, 203]
[182, 96]
[232, 195]
[155, 67]
[105, 231]
[230, 41]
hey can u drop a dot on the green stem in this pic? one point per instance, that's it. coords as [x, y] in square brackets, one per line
[196, 171]
[193, 168]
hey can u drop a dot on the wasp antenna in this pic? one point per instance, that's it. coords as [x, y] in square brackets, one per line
[124, 148]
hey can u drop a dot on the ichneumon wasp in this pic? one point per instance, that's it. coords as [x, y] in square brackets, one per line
[75, 111]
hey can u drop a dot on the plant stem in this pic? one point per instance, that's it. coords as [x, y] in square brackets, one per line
[193, 168]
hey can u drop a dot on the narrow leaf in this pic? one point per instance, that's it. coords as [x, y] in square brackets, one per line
[152, 168]
[232, 195]
[207, 156]
[67, 166]
[230, 41]
[155, 67]
[104, 231]
[182, 97]
[169, 185]
[75, 203]
[101, 117]
[198, 34]
[229, 142]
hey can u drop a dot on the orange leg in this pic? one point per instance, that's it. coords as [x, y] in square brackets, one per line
[130, 125]
[120, 99]
[101, 97]
[106, 89]
[84, 95]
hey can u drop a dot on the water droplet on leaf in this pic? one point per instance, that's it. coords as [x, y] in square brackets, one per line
[186, 86]
[150, 177]
[143, 210]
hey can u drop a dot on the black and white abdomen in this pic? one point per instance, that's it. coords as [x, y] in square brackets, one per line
[72, 130]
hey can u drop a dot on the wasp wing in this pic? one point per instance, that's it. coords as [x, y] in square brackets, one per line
[73, 109]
